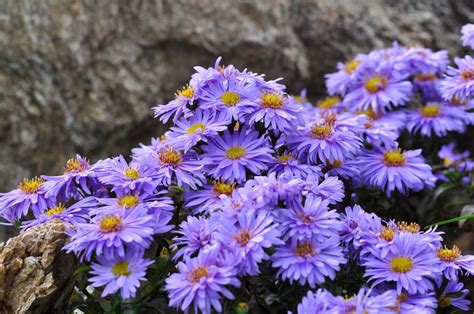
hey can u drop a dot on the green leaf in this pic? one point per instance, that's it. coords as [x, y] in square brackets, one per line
[81, 269]
[444, 222]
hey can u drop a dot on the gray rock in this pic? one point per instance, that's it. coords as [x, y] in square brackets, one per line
[81, 76]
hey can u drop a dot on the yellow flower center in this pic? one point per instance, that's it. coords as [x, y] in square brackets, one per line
[387, 234]
[411, 227]
[235, 152]
[447, 161]
[128, 201]
[55, 210]
[170, 157]
[187, 91]
[110, 223]
[369, 113]
[300, 99]
[426, 77]
[196, 127]
[243, 307]
[394, 157]
[121, 269]
[220, 188]
[401, 264]
[284, 158]
[197, 273]
[131, 173]
[448, 255]
[468, 74]
[230, 99]
[329, 102]
[321, 131]
[350, 66]
[375, 84]
[242, 238]
[429, 111]
[272, 100]
[335, 164]
[31, 186]
[304, 249]
[75, 164]
[445, 302]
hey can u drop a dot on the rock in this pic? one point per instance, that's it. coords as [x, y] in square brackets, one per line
[36, 276]
[81, 76]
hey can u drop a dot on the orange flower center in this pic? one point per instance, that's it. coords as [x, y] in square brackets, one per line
[387, 234]
[321, 131]
[75, 164]
[242, 238]
[304, 249]
[170, 157]
[468, 74]
[220, 188]
[411, 227]
[448, 255]
[197, 273]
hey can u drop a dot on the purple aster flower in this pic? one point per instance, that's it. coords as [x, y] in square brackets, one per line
[467, 32]
[410, 263]
[314, 218]
[344, 169]
[356, 224]
[453, 295]
[246, 236]
[453, 263]
[435, 118]
[378, 133]
[289, 165]
[309, 261]
[179, 106]
[392, 169]
[423, 61]
[127, 178]
[314, 303]
[194, 235]
[201, 281]
[325, 140]
[339, 82]
[459, 83]
[428, 85]
[76, 213]
[139, 154]
[233, 154]
[106, 234]
[79, 178]
[31, 193]
[366, 301]
[232, 98]
[173, 167]
[449, 157]
[200, 127]
[276, 110]
[209, 198]
[120, 273]
[331, 188]
[379, 89]
[424, 303]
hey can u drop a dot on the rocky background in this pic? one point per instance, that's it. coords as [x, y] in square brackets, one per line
[80, 76]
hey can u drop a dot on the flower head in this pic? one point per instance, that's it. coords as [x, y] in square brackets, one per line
[392, 169]
[309, 261]
[120, 273]
[436, 118]
[410, 263]
[467, 32]
[202, 281]
[233, 154]
[459, 82]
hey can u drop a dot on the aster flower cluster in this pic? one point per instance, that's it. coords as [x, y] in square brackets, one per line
[245, 195]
